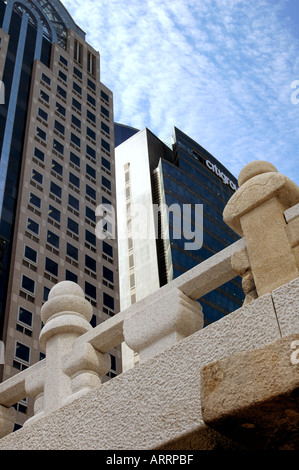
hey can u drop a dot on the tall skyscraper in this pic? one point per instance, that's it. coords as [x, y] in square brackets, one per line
[170, 200]
[56, 167]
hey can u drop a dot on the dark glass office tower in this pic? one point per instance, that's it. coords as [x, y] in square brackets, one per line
[56, 167]
[195, 187]
[196, 177]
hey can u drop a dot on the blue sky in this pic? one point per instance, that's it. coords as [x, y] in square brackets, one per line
[219, 70]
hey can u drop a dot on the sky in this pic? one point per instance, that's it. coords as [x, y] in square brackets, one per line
[225, 72]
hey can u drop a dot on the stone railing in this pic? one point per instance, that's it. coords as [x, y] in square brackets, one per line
[264, 212]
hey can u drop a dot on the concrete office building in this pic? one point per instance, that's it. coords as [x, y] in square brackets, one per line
[156, 246]
[56, 167]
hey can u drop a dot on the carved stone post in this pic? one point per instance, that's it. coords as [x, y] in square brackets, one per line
[66, 315]
[256, 212]
[161, 324]
[7, 420]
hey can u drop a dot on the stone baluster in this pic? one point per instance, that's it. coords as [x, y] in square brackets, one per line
[85, 366]
[160, 325]
[7, 420]
[66, 316]
[34, 386]
[256, 212]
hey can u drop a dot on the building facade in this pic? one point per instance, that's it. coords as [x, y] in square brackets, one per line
[57, 167]
[170, 200]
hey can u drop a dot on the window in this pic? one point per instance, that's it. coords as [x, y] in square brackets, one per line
[91, 63]
[91, 84]
[91, 116]
[30, 254]
[61, 92]
[77, 88]
[72, 251]
[90, 171]
[58, 147]
[108, 274]
[75, 140]
[59, 127]
[55, 189]
[28, 284]
[104, 96]
[132, 281]
[44, 96]
[73, 202]
[46, 79]
[22, 354]
[57, 167]
[90, 214]
[62, 76]
[70, 276]
[76, 121]
[54, 213]
[32, 226]
[106, 163]
[105, 111]
[41, 134]
[91, 152]
[106, 183]
[63, 61]
[74, 180]
[107, 249]
[36, 176]
[60, 109]
[108, 301]
[105, 145]
[39, 154]
[90, 192]
[78, 73]
[35, 201]
[105, 128]
[91, 100]
[76, 104]
[78, 52]
[46, 293]
[90, 263]
[90, 237]
[73, 226]
[74, 159]
[91, 133]
[42, 114]
[25, 317]
[90, 290]
[51, 267]
[53, 239]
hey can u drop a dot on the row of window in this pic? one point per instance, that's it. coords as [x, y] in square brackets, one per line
[52, 267]
[62, 93]
[77, 74]
[90, 171]
[59, 147]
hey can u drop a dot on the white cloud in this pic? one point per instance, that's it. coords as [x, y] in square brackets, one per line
[219, 70]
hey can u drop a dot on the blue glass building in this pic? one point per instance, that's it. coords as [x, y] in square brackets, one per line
[186, 179]
[196, 177]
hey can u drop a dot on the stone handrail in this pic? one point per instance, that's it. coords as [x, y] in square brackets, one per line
[264, 212]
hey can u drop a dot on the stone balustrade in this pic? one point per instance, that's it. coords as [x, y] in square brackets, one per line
[264, 212]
